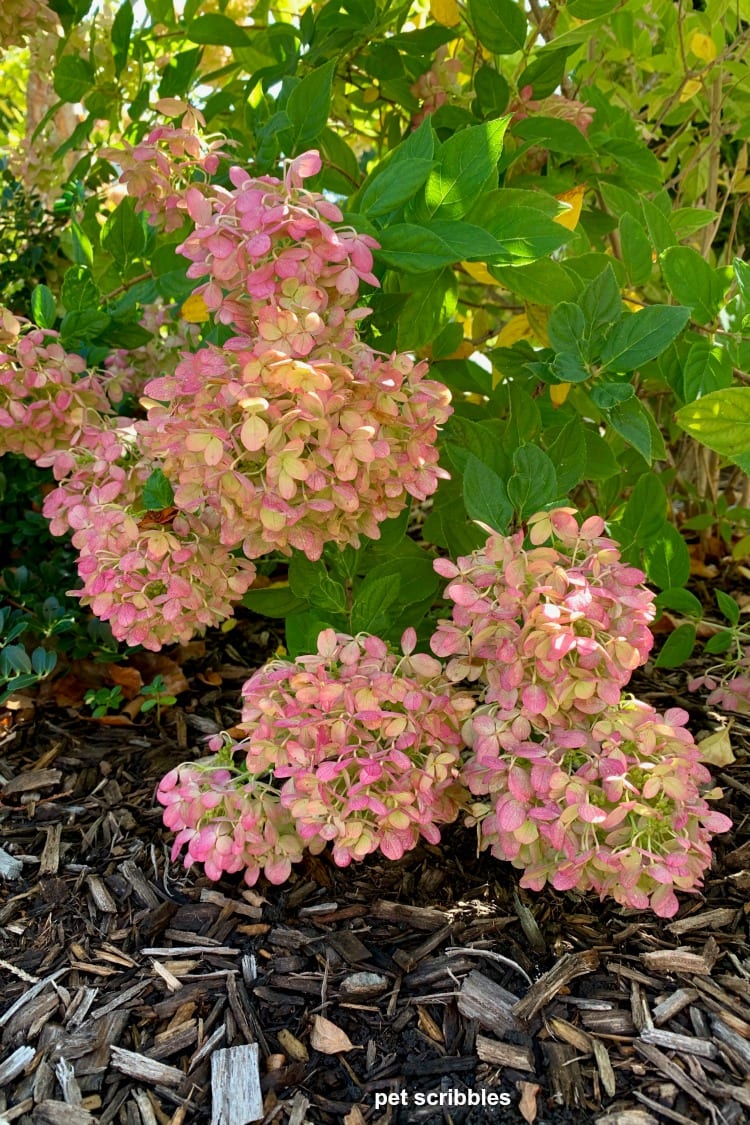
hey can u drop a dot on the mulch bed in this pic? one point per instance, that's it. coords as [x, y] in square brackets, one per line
[134, 992]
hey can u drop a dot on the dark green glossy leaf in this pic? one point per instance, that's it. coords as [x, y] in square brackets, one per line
[309, 103]
[485, 495]
[643, 336]
[677, 648]
[43, 306]
[218, 30]
[667, 559]
[73, 78]
[158, 493]
[122, 27]
[533, 485]
[500, 25]
[464, 164]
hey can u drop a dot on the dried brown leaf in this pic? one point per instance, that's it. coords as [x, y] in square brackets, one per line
[327, 1038]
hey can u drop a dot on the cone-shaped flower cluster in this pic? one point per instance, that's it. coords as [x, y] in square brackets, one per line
[304, 433]
[299, 452]
[361, 745]
[615, 807]
[276, 266]
[156, 577]
[554, 631]
[578, 786]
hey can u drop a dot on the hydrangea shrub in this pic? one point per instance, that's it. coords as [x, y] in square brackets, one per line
[525, 730]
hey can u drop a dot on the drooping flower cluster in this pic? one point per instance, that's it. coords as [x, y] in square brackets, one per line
[45, 399]
[580, 788]
[229, 824]
[156, 576]
[554, 631]
[156, 172]
[362, 744]
[297, 452]
[585, 790]
[292, 434]
[301, 431]
[615, 807]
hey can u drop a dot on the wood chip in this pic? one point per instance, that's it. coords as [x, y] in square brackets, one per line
[707, 920]
[15, 1063]
[361, 986]
[566, 1032]
[141, 887]
[29, 995]
[418, 917]
[668, 1008]
[604, 1066]
[682, 1044]
[50, 860]
[30, 780]
[547, 987]
[100, 894]
[10, 867]
[672, 1071]
[681, 960]
[566, 1080]
[58, 1113]
[507, 1055]
[190, 951]
[739, 1045]
[65, 1075]
[491, 1005]
[235, 1086]
[145, 1069]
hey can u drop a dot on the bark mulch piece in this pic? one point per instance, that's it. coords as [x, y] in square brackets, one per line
[133, 992]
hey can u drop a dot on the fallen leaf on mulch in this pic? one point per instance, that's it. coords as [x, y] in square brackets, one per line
[327, 1038]
[716, 748]
[527, 1105]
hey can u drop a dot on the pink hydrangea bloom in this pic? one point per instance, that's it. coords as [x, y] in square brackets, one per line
[156, 172]
[553, 631]
[366, 743]
[278, 261]
[228, 824]
[297, 452]
[46, 399]
[615, 807]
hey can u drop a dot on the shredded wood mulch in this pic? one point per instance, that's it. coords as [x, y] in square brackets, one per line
[425, 991]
